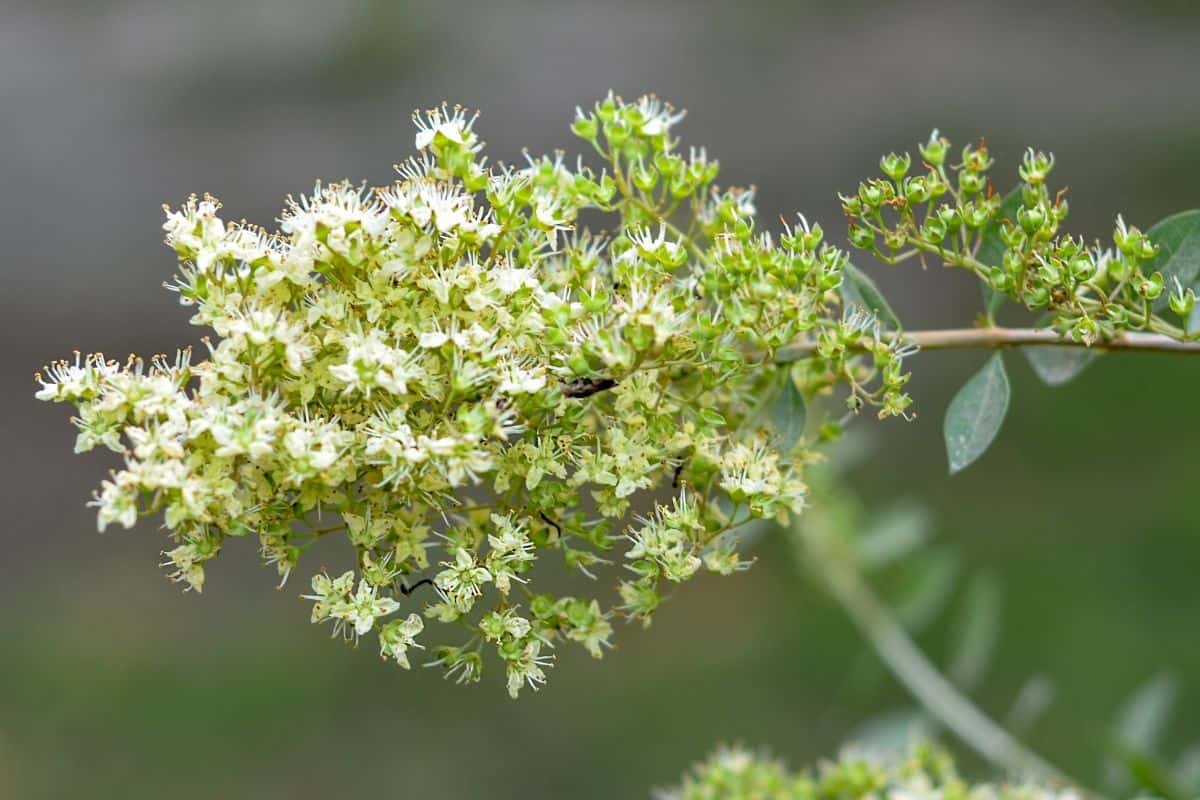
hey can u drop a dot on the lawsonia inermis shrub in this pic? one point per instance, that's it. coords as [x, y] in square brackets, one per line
[463, 380]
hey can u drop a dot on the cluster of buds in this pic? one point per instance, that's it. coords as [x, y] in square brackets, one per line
[1013, 243]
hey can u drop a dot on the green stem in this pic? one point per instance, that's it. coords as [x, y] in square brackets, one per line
[935, 693]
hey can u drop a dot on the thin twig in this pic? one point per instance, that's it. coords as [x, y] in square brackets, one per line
[999, 338]
[930, 687]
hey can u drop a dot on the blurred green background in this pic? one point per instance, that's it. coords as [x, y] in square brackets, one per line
[117, 685]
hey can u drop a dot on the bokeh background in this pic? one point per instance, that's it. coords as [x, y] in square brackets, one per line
[114, 684]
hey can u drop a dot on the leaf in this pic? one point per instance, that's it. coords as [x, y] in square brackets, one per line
[1143, 717]
[929, 584]
[1058, 365]
[892, 535]
[1032, 701]
[893, 733]
[991, 246]
[1178, 256]
[1187, 769]
[976, 632]
[1137, 731]
[859, 290]
[788, 412]
[975, 414]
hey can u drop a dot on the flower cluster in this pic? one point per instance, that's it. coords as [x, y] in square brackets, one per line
[926, 773]
[460, 379]
[951, 213]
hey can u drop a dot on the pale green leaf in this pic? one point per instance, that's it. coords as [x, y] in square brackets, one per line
[788, 413]
[893, 733]
[928, 587]
[1033, 699]
[892, 535]
[975, 414]
[859, 290]
[1058, 365]
[1187, 769]
[991, 247]
[976, 632]
[1142, 719]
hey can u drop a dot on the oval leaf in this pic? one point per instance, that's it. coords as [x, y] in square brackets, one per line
[1033, 700]
[975, 414]
[1178, 256]
[1058, 365]
[927, 588]
[1142, 719]
[991, 246]
[788, 413]
[976, 632]
[892, 535]
[893, 733]
[860, 290]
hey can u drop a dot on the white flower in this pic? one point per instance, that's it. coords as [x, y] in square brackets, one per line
[450, 123]
[328, 593]
[117, 501]
[363, 608]
[397, 636]
[461, 581]
[658, 117]
[527, 668]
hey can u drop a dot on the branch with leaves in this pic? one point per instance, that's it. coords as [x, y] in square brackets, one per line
[457, 377]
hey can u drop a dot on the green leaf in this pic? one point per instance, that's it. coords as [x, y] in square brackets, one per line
[975, 414]
[892, 535]
[860, 290]
[1137, 731]
[788, 413]
[929, 582]
[1178, 256]
[976, 632]
[991, 247]
[893, 732]
[1033, 700]
[1187, 769]
[1143, 717]
[1058, 365]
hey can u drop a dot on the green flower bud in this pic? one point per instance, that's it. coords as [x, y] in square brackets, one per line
[895, 239]
[669, 165]
[1037, 297]
[1035, 166]
[1031, 219]
[1151, 286]
[999, 279]
[934, 231]
[1081, 267]
[895, 166]
[585, 126]
[861, 236]
[934, 150]
[976, 215]
[950, 216]
[971, 182]
[1085, 330]
[916, 190]
[1182, 301]
[976, 159]
[872, 194]
[644, 177]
